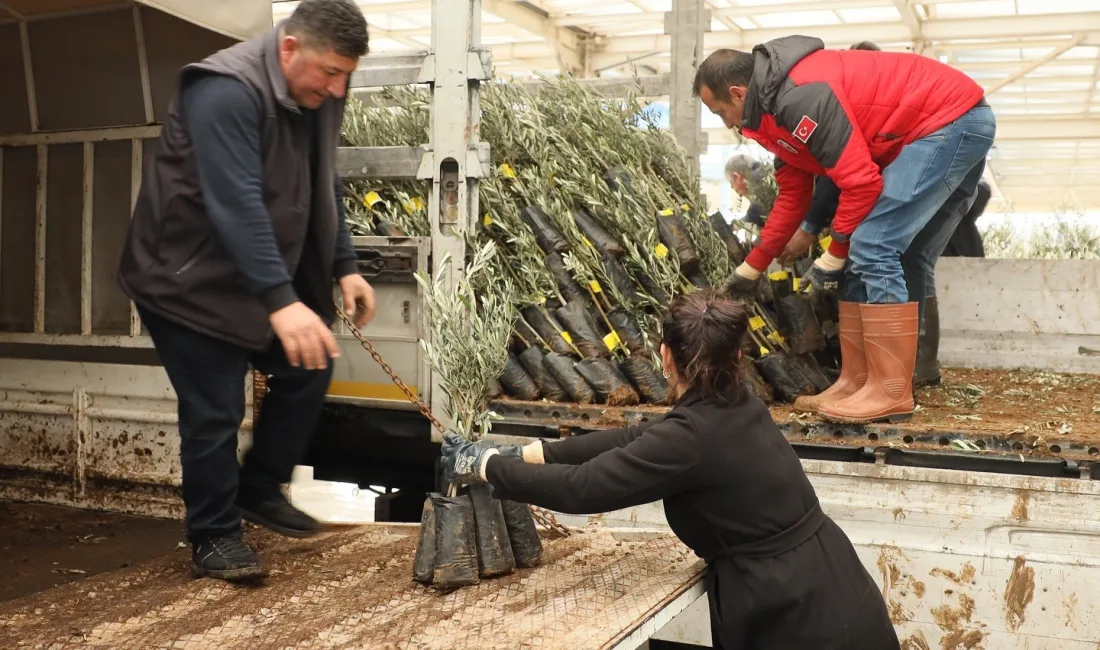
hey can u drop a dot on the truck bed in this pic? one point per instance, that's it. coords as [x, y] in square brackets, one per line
[974, 411]
[354, 588]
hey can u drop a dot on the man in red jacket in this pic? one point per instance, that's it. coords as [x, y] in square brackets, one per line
[905, 138]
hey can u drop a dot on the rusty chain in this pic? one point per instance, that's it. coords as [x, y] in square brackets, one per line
[541, 515]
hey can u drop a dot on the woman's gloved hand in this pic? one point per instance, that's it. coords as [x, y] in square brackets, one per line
[464, 461]
[825, 277]
[529, 453]
[508, 451]
[743, 283]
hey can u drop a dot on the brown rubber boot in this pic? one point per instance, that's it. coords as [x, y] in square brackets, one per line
[890, 342]
[853, 363]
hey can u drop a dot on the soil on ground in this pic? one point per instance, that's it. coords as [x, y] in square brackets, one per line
[1038, 408]
[45, 546]
[353, 588]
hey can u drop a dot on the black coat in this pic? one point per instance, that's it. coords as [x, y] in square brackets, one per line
[966, 241]
[729, 481]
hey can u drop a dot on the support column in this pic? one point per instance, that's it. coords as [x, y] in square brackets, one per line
[685, 24]
[453, 135]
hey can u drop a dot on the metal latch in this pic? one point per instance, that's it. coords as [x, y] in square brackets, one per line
[387, 264]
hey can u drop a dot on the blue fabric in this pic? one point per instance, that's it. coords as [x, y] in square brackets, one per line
[926, 191]
[224, 120]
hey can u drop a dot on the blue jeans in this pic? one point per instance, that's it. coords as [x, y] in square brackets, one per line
[926, 192]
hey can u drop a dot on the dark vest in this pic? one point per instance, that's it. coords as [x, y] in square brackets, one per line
[173, 262]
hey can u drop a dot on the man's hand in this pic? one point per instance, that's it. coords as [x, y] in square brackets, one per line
[743, 283]
[798, 245]
[464, 461]
[358, 299]
[305, 338]
[825, 277]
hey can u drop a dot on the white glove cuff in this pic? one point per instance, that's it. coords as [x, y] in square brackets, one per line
[830, 262]
[532, 453]
[747, 271]
[489, 453]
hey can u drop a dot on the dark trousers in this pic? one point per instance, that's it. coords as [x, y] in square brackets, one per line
[208, 376]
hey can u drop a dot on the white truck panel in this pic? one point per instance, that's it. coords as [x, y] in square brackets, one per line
[965, 560]
[1047, 319]
[92, 435]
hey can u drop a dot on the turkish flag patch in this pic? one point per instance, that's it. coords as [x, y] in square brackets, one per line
[805, 129]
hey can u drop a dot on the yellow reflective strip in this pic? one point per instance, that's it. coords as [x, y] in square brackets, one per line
[368, 390]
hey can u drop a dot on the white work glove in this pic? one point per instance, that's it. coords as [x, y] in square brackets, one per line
[826, 276]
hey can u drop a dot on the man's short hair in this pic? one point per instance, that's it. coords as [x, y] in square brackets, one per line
[336, 25]
[741, 164]
[722, 69]
[866, 45]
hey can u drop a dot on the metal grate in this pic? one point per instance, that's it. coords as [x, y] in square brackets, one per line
[354, 589]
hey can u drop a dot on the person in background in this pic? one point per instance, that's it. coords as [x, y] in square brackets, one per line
[905, 138]
[967, 239]
[780, 573]
[740, 169]
[236, 241]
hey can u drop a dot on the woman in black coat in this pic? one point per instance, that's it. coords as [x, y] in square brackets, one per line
[780, 574]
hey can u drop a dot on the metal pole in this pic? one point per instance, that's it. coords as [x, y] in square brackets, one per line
[685, 24]
[455, 117]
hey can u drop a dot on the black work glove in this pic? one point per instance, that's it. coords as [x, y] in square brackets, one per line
[740, 287]
[509, 451]
[820, 281]
[464, 461]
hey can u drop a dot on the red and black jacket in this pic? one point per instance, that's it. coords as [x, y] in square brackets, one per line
[843, 114]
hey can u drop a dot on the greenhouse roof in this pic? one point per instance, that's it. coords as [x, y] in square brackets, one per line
[1039, 61]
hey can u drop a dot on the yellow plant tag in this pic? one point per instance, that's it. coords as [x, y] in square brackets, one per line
[611, 340]
[568, 339]
[776, 337]
[667, 212]
[413, 204]
[756, 323]
[796, 283]
[487, 221]
[586, 242]
[661, 250]
[686, 207]
[825, 241]
[763, 351]
[596, 288]
[371, 198]
[542, 300]
[507, 171]
[778, 275]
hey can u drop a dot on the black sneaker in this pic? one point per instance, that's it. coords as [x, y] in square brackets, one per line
[227, 558]
[276, 513]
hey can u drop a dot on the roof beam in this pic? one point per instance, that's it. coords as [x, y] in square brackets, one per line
[565, 42]
[944, 29]
[976, 66]
[642, 87]
[1007, 44]
[913, 23]
[1037, 63]
[632, 19]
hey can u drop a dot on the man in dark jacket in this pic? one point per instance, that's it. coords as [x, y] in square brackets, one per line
[966, 241]
[879, 125]
[237, 237]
